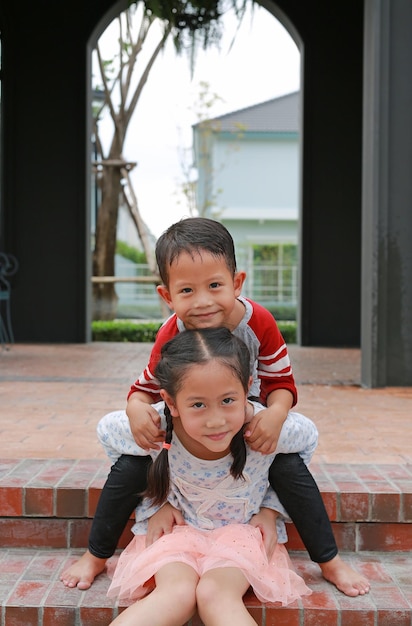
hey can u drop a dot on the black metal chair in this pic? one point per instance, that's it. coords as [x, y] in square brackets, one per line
[8, 267]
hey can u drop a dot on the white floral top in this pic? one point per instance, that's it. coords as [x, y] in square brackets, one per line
[206, 493]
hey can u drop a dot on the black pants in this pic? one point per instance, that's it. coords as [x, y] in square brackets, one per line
[118, 500]
[299, 494]
[288, 475]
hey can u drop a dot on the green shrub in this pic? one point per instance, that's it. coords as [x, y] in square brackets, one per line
[129, 252]
[145, 332]
[285, 312]
[288, 330]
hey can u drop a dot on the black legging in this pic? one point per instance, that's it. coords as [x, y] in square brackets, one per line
[288, 475]
[118, 500]
[299, 494]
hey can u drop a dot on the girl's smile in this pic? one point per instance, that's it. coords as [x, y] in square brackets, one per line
[217, 437]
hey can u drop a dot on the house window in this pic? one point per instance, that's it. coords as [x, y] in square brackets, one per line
[272, 277]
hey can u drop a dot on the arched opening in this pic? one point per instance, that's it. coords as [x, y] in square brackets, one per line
[263, 216]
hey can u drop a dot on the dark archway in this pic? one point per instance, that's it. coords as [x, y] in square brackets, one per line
[331, 185]
[56, 279]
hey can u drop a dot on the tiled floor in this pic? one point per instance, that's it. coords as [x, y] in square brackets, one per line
[35, 590]
[52, 396]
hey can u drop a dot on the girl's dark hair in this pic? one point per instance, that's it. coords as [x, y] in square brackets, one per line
[177, 356]
[194, 235]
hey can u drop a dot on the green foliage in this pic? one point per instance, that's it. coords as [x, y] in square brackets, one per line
[288, 330]
[283, 312]
[130, 253]
[145, 332]
[125, 331]
[202, 16]
[285, 254]
[194, 22]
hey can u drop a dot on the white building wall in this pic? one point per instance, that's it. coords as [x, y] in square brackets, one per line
[256, 178]
[255, 188]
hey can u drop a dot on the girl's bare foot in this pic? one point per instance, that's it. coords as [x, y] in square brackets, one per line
[82, 573]
[346, 579]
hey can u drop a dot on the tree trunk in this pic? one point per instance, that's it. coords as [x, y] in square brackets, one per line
[104, 295]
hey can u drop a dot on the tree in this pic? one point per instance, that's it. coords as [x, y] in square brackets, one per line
[190, 24]
[202, 109]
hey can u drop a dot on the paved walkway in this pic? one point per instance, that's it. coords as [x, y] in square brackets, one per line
[52, 396]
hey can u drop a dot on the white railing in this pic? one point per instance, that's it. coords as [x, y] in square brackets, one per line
[270, 285]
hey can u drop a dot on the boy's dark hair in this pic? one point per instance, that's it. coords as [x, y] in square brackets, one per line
[194, 235]
[178, 355]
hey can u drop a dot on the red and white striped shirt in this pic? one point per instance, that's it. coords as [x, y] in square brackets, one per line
[270, 363]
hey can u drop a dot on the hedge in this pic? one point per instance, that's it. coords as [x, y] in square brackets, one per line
[145, 332]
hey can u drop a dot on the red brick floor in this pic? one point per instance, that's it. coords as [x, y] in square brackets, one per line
[52, 396]
[37, 596]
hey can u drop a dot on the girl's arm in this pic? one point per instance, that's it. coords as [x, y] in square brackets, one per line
[265, 520]
[162, 522]
[278, 514]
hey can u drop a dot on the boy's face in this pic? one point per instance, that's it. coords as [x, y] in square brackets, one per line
[202, 291]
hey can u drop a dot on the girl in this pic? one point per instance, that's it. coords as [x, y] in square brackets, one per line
[219, 484]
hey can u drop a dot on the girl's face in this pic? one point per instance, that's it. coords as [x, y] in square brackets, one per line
[209, 409]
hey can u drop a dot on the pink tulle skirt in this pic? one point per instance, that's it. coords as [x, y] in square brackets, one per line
[234, 545]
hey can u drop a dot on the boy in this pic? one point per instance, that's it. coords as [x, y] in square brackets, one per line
[200, 282]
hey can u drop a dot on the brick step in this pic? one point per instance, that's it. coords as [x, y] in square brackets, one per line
[46, 508]
[32, 595]
[50, 504]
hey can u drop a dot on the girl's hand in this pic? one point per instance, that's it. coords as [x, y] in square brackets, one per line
[265, 520]
[162, 522]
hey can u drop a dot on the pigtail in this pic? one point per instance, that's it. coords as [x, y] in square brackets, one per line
[158, 480]
[177, 356]
[238, 451]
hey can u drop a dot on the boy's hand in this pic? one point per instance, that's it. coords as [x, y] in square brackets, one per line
[262, 432]
[162, 522]
[144, 424]
[265, 520]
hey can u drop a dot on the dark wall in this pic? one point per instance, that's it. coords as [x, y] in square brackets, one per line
[332, 35]
[46, 170]
[44, 191]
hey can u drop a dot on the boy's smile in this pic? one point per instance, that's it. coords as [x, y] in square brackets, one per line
[203, 292]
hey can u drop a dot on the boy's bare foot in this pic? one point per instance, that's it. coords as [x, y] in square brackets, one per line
[346, 579]
[82, 573]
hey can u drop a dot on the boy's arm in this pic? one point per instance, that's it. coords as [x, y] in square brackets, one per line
[144, 420]
[264, 429]
[274, 368]
[277, 386]
[147, 382]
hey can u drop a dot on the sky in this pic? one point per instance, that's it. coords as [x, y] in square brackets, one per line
[263, 63]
